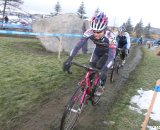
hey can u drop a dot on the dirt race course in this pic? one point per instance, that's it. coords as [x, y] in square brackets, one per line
[48, 116]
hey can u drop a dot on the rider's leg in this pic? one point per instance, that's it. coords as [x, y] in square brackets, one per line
[101, 61]
[102, 81]
[93, 60]
[123, 57]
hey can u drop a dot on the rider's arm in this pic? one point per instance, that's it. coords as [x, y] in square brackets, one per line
[81, 43]
[128, 40]
[117, 39]
[111, 55]
[67, 63]
[112, 49]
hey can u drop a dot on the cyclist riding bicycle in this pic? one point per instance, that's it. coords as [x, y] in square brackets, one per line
[104, 52]
[123, 42]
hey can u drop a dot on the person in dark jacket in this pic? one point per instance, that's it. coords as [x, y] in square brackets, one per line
[6, 19]
[123, 42]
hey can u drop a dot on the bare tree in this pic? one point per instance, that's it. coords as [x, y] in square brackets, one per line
[8, 4]
[14, 3]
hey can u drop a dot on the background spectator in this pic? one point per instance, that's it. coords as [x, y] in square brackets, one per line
[140, 40]
[6, 19]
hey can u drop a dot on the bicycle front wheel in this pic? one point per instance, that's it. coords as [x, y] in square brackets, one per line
[118, 66]
[94, 96]
[112, 75]
[72, 110]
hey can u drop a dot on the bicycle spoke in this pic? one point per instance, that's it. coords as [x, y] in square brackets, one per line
[73, 110]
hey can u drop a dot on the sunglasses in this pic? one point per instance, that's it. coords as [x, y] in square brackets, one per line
[97, 32]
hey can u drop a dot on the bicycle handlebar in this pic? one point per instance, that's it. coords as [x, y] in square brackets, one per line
[85, 67]
[120, 49]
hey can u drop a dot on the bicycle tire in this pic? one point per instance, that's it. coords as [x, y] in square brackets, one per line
[114, 70]
[95, 98]
[112, 75]
[72, 110]
[118, 65]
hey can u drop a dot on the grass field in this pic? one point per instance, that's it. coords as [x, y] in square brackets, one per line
[145, 76]
[28, 76]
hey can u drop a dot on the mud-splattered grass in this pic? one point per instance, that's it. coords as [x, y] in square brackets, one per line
[28, 75]
[143, 77]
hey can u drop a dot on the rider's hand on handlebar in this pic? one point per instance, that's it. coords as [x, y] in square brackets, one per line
[126, 52]
[67, 64]
[103, 75]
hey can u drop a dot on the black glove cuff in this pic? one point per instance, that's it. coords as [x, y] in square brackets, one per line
[104, 69]
[70, 58]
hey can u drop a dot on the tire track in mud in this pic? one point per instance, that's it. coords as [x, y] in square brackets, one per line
[48, 116]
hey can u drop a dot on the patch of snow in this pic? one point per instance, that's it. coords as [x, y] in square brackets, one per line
[143, 100]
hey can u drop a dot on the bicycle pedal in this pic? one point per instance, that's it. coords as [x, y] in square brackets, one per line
[86, 102]
[76, 111]
[100, 91]
[94, 104]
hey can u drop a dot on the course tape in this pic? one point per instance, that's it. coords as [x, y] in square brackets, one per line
[38, 34]
[157, 88]
[15, 26]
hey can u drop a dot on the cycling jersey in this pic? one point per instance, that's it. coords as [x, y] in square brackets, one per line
[104, 46]
[123, 41]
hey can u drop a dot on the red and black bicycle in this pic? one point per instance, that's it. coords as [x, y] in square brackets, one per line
[117, 65]
[85, 91]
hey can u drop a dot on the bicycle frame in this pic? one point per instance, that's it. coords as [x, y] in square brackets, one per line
[85, 91]
[87, 80]
[117, 61]
[119, 52]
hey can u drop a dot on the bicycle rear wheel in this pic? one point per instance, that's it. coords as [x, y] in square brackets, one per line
[72, 110]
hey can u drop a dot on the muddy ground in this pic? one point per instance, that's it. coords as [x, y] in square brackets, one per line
[47, 117]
